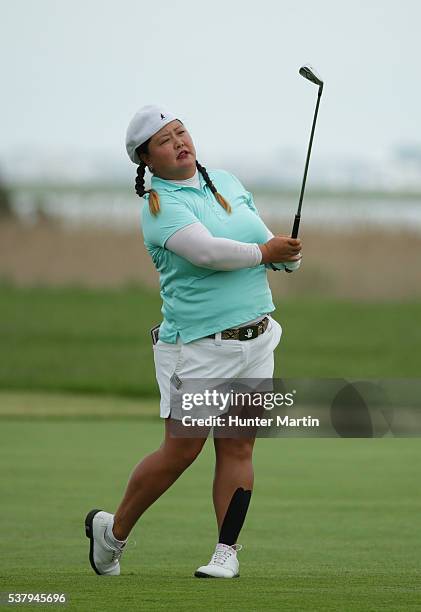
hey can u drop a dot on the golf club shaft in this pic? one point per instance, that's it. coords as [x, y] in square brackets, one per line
[297, 219]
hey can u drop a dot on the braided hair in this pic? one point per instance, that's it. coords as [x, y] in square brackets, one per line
[154, 206]
[140, 181]
[218, 197]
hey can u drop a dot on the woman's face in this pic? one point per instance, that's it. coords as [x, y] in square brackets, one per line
[171, 152]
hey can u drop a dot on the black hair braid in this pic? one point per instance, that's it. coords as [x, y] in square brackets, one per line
[140, 180]
[218, 197]
[206, 176]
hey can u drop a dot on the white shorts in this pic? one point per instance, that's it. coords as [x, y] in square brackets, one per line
[215, 358]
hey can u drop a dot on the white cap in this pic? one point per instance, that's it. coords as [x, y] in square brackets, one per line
[147, 121]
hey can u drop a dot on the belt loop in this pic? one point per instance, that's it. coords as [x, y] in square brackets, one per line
[218, 339]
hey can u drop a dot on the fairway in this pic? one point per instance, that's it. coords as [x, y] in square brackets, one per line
[333, 524]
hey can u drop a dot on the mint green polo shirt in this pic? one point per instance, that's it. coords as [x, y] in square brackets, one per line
[198, 301]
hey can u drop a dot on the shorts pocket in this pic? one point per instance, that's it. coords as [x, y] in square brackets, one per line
[167, 357]
[275, 331]
[180, 360]
[204, 359]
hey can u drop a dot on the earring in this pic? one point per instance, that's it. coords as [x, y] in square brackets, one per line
[150, 168]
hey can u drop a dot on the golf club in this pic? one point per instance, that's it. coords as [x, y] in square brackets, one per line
[311, 75]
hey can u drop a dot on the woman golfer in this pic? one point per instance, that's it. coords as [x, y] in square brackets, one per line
[212, 250]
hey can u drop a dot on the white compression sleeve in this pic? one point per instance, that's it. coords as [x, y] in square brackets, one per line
[196, 244]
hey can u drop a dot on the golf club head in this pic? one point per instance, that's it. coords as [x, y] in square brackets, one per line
[311, 75]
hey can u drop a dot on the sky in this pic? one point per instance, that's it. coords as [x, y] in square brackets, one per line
[75, 71]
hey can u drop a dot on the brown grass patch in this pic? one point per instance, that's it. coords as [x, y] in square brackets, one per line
[365, 265]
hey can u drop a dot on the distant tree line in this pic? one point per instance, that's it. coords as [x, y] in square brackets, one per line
[5, 201]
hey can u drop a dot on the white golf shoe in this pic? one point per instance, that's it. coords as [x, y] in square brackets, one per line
[223, 564]
[104, 558]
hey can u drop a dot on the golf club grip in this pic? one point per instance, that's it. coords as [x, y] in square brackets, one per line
[296, 226]
[294, 234]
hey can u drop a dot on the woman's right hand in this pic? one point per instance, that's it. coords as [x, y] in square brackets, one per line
[280, 249]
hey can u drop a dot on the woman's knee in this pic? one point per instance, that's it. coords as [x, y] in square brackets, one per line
[234, 449]
[180, 453]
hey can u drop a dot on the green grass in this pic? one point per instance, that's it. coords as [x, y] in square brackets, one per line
[97, 341]
[333, 524]
[78, 340]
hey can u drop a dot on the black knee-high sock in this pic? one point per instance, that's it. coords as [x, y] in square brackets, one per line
[234, 517]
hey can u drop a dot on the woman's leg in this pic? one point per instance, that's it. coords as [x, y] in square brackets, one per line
[233, 484]
[152, 477]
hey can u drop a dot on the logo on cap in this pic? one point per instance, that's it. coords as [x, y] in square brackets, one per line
[162, 116]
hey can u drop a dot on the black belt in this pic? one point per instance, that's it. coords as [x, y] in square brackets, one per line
[244, 333]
